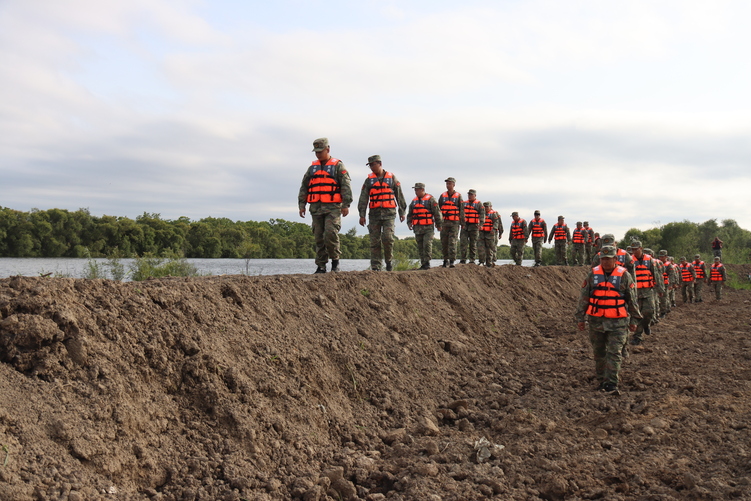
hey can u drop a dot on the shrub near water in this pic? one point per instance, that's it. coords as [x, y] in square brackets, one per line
[156, 267]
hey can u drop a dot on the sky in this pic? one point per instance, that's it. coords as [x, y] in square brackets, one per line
[626, 114]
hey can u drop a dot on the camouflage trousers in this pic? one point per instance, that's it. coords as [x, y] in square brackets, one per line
[588, 254]
[606, 348]
[326, 228]
[449, 237]
[698, 286]
[671, 297]
[647, 309]
[381, 239]
[664, 302]
[488, 247]
[717, 253]
[577, 254]
[468, 242]
[687, 291]
[717, 289]
[517, 250]
[424, 237]
[560, 252]
[537, 249]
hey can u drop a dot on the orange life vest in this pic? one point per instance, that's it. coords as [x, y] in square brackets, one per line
[420, 214]
[686, 275]
[699, 267]
[559, 231]
[590, 234]
[488, 225]
[449, 205]
[715, 273]
[382, 191]
[472, 211]
[323, 186]
[535, 228]
[644, 277]
[605, 298]
[578, 236]
[517, 230]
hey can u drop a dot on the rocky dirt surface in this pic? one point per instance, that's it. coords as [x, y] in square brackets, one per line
[451, 384]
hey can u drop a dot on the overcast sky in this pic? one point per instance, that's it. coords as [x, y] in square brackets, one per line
[627, 114]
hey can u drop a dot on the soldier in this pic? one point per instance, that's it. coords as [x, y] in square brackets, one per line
[701, 277]
[490, 233]
[608, 302]
[623, 257]
[382, 194]
[452, 209]
[326, 187]
[579, 239]
[688, 275]
[669, 281]
[561, 237]
[717, 276]
[677, 271]
[648, 281]
[596, 244]
[538, 230]
[422, 216]
[589, 243]
[517, 238]
[717, 247]
[474, 218]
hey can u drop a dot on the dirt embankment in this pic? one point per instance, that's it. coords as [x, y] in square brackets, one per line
[456, 384]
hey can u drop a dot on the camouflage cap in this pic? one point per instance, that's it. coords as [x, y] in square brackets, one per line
[717, 258]
[608, 237]
[320, 144]
[450, 180]
[373, 158]
[473, 191]
[608, 251]
[663, 252]
[635, 244]
[648, 251]
[514, 214]
[683, 258]
[697, 256]
[418, 186]
[561, 217]
[537, 213]
[586, 223]
[487, 204]
[578, 223]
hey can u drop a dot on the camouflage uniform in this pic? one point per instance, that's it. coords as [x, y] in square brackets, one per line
[719, 270]
[668, 274]
[561, 244]
[424, 232]
[608, 335]
[577, 252]
[687, 286]
[624, 258]
[677, 274]
[489, 238]
[538, 231]
[518, 229]
[326, 217]
[717, 247]
[449, 203]
[701, 276]
[588, 246]
[646, 294]
[381, 220]
[471, 231]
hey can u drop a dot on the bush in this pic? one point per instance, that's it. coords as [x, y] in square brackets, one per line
[156, 267]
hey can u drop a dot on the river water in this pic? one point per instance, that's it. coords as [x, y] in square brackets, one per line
[78, 268]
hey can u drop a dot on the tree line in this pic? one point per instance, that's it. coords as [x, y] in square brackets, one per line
[62, 233]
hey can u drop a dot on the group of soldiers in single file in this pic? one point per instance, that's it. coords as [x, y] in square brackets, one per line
[631, 290]
[475, 226]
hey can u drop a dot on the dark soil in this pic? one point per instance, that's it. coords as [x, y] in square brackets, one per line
[451, 384]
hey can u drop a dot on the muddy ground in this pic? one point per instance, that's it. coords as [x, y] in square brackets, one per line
[451, 384]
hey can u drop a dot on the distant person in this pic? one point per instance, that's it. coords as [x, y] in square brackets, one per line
[382, 194]
[596, 244]
[608, 302]
[669, 281]
[424, 215]
[474, 218]
[538, 230]
[452, 210]
[326, 187]
[701, 276]
[517, 238]
[717, 247]
[589, 244]
[672, 292]
[688, 276]
[717, 277]
[490, 233]
[561, 237]
[578, 242]
[649, 285]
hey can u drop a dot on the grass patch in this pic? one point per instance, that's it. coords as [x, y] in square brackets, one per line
[738, 282]
[156, 267]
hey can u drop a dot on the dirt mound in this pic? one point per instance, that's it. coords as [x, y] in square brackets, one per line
[469, 383]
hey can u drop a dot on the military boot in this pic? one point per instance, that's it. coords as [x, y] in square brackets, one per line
[451, 264]
[445, 263]
[334, 265]
[389, 266]
[320, 269]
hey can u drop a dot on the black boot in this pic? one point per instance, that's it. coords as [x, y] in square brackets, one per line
[389, 266]
[445, 263]
[320, 269]
[334, 265]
